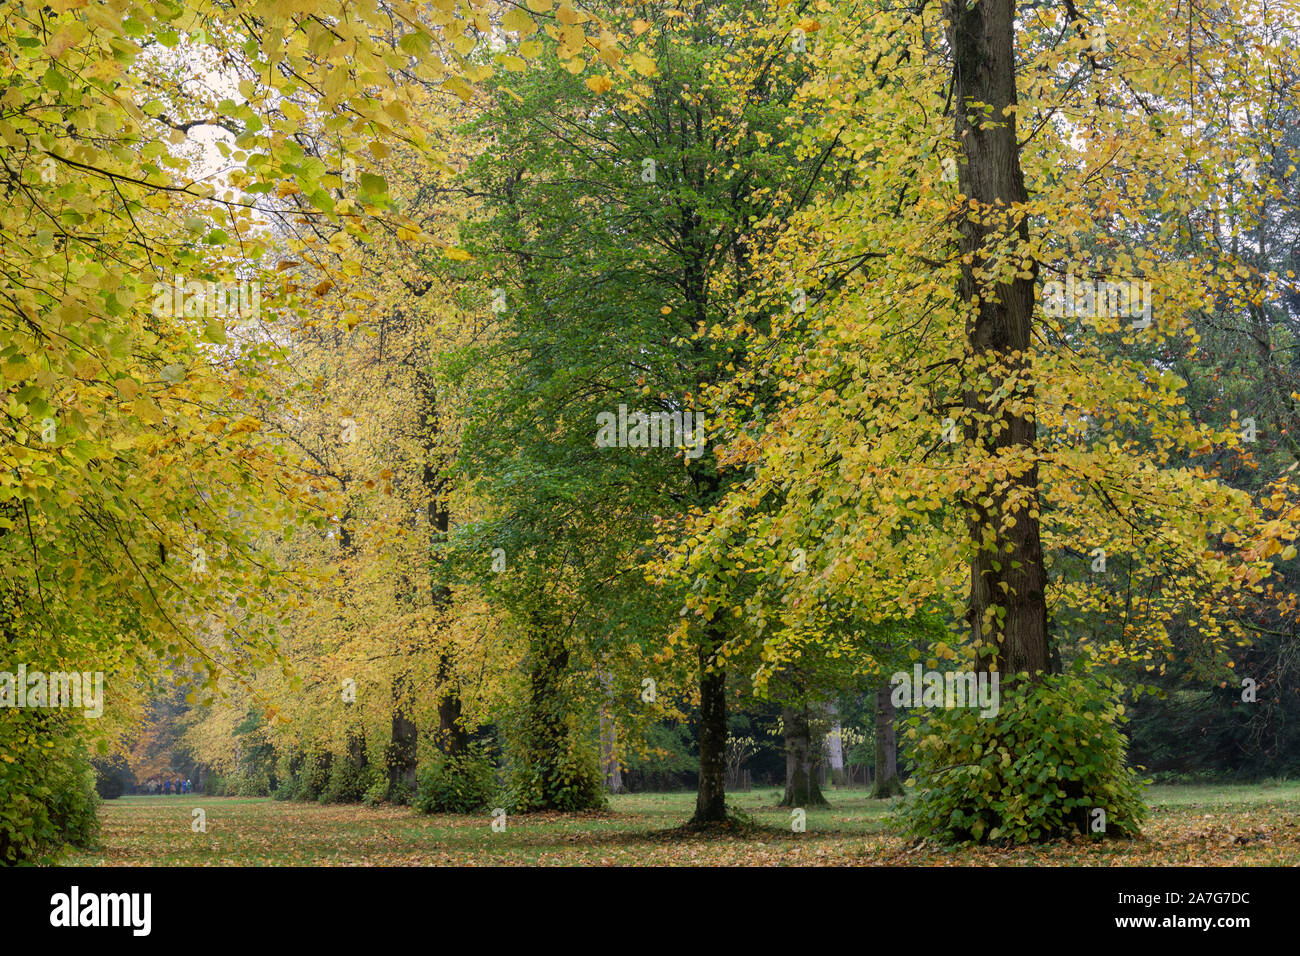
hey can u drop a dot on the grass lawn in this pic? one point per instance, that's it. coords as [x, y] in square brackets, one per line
[1190, 825]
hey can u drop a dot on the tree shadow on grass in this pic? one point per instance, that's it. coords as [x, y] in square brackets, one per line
[737, 828]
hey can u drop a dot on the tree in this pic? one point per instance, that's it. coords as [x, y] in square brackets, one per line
[620, 229]
[941, 427]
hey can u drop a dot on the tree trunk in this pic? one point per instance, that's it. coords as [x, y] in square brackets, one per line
[452, 736]
[453, 739]
[356, 741]
[402, 751]
[886, 782]
[609, 765]
[711, 798]
[801, 760]
[1007, 571]
[549, 748]
[835, 745]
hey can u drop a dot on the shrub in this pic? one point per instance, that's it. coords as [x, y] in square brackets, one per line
[314, 776]
[1037, 770]
[465, 783]
[398, 793]
[287, 789]
[47, 797]
[72, 804]
[248, 783]
[576, 782]
[112, 777]
[288, 774]
[347, 783]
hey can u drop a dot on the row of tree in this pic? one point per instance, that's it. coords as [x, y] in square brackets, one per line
[615, 364]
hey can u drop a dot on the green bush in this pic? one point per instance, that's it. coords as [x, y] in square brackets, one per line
[314, 776]
[576, 782]
[47, 795]
[287, 789]
[347, 782]
[377, 790]
[74, 804]
[112, 777]
[288, 774]
[1036, 771]
[398, 793]
[465, 783]
[248, 783]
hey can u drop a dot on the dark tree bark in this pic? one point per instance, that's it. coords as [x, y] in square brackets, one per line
[886, 782]
[711, 798]
[548, 730]
[452, 736]
[401, 752]
[453, 739]
[802, 759]
[356, 742]
[1007, 569]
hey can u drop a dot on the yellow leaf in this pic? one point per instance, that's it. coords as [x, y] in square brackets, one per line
[643, 64]
[147, 411]
[599, 83]
[518, 21]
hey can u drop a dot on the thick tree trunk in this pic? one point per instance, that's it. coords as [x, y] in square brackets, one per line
[549, 750]
[1007, 571]
[402, 751]
[453, 739]
[711, 798]
[886, 782]
[356, 740]
[801, 760]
